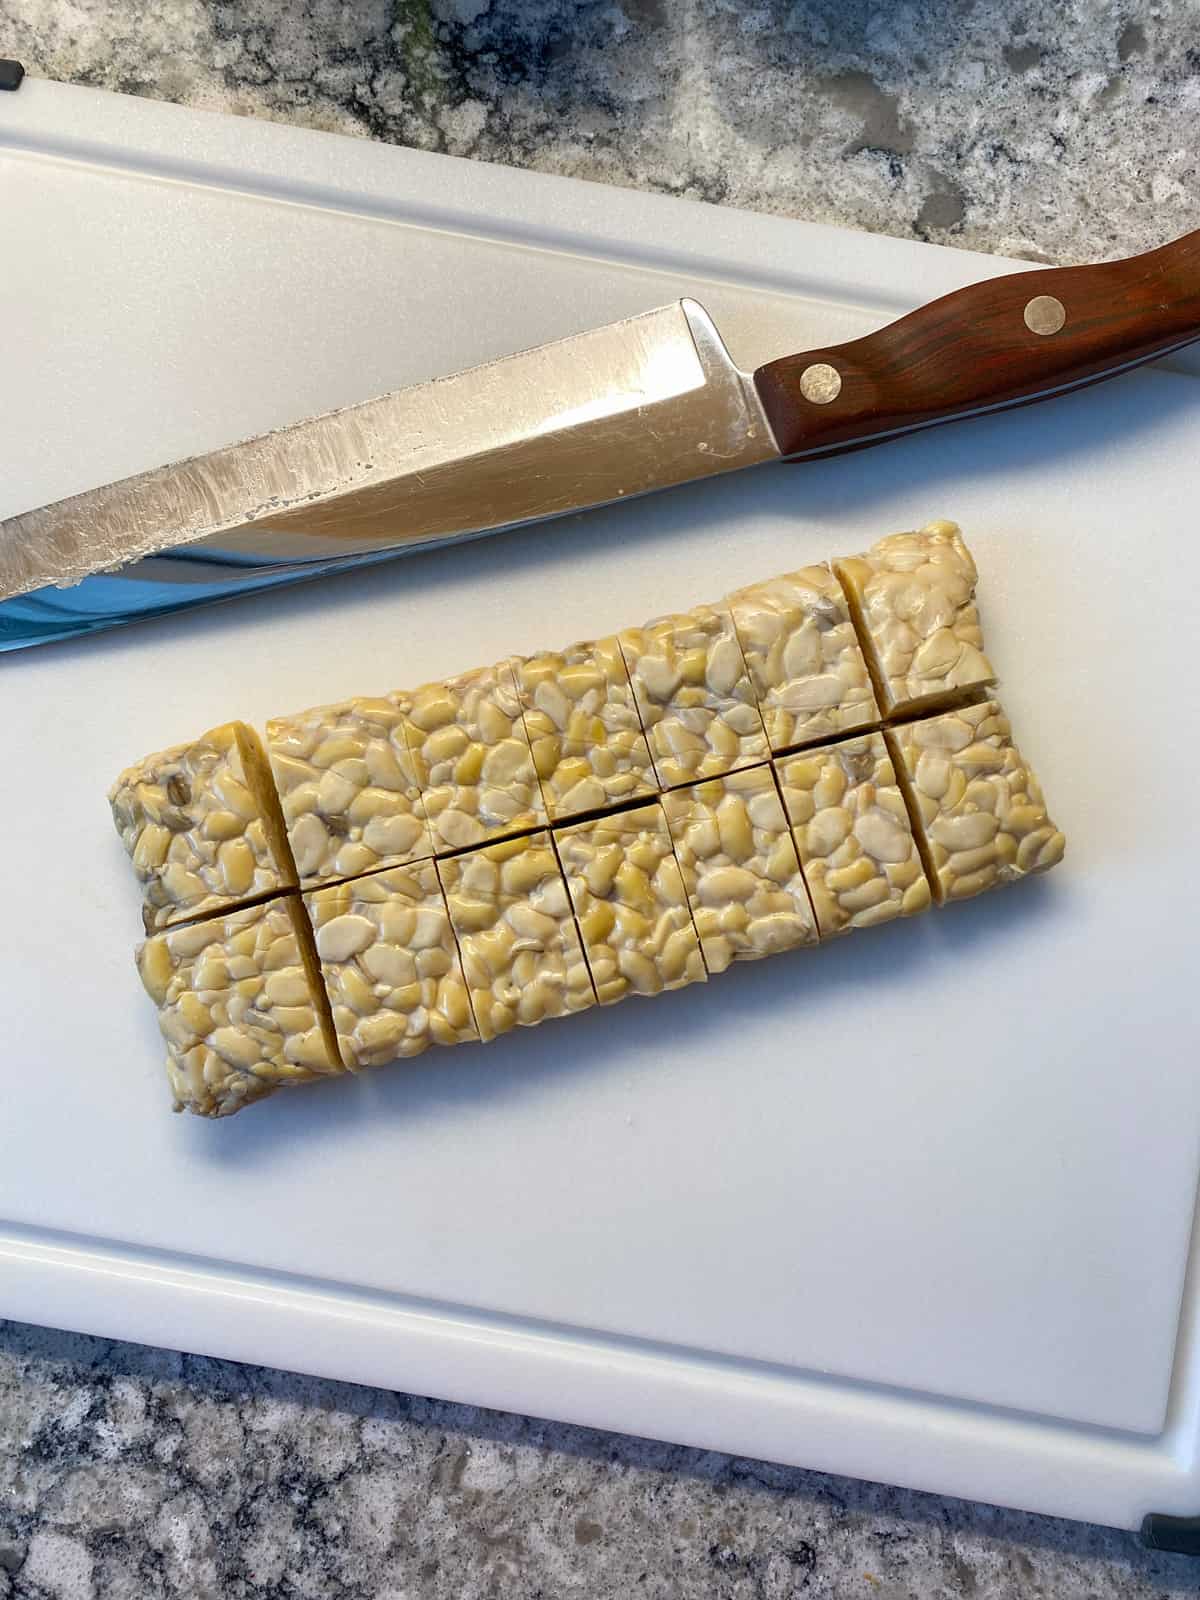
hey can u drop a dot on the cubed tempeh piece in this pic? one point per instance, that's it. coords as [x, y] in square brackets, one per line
[740, 869]
[348, 787]
[694, 695]
[631, 903]
[391, 965]
[853, 833]
[805, 661]
[583, 726]
[201, 824]
[980, 806]
[241, 1006]
[520, 947]
[473, 760]
[913, 598]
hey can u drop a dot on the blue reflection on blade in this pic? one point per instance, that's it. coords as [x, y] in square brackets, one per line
[154, 587]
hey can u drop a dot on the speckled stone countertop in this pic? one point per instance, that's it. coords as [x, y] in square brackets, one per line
[1053, 129]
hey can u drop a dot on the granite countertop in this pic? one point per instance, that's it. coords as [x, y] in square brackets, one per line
[1059, 130]
[1054, 131]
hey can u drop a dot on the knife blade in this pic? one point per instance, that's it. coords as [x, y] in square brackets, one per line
[640, 405]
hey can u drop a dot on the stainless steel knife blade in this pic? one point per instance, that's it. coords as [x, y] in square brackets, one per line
[638, 405]
[642, 404]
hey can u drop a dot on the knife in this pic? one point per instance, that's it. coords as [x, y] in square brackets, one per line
[639, 405]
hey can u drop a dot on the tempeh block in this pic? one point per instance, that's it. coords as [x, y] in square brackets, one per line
[913, 598]
[348, 788]
[804, 657]
[694, 695]
[631, 903]
[740, 868]
[588, 746]
[978, 803]
[473, 760]
[201, 824]
[853, 833]
[813, 755]
[520, 947]
[391, 965]
[241, 1006]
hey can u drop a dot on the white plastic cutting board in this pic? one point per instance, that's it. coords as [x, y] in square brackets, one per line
[915, 1207]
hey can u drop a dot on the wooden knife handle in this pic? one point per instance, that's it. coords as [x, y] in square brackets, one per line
[1001, 343]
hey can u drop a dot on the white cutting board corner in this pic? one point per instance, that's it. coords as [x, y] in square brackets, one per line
[916, 1207]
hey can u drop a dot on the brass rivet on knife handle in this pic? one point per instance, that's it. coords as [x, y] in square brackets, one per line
[820, 383]
[1045, 314]
[971, 351]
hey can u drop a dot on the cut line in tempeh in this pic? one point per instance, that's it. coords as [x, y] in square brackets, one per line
[472, 758]
[804, 657]
[348, 790]
[694, 696]
[583, 725]
[516, 933]
[746, 890]
[853, 832]
[630, 903]
[390, 963]
[975, 799]
[912, 597]
[202, 826]
[239, 1006]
